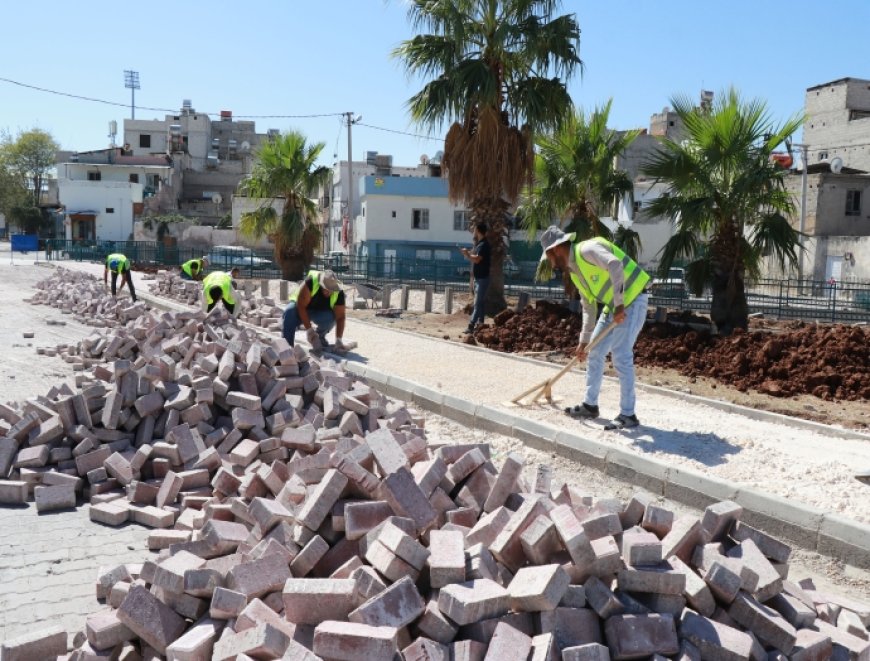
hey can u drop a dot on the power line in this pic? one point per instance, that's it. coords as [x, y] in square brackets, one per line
[169, 110]
[413, 135]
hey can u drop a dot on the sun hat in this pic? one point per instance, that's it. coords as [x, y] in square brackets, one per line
[552, 237]
[329, 281]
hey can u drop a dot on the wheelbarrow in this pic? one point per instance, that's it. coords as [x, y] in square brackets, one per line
[370, 293]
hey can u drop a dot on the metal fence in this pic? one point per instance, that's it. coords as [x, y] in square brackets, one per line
[782, 299]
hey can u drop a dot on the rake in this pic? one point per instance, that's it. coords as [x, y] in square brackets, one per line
[545, 388]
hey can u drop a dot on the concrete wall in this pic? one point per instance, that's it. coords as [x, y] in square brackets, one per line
[242, 205]
[836, 125]
[100, 197]
[199, 236]
[826, 204]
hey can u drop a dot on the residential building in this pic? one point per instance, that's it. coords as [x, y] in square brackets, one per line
[337, 226]
[214, 155]
[409, 218]
[838, 122]
[837, 217]
[103, 191]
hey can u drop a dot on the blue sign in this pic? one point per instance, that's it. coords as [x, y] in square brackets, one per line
[25, 242]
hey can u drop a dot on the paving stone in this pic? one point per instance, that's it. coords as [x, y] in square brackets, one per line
[637, 636]
[150, 619]
[41, 644]
[538, 588]
[473, 601]
[349, 641]
[315, 600]
[397, 606]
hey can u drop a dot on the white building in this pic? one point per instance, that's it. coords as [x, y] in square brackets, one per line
[409, 218]
[101, 192]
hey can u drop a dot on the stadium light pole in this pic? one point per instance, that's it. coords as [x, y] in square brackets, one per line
[131, 82]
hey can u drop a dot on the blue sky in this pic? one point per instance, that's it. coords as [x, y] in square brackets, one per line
[300, 57]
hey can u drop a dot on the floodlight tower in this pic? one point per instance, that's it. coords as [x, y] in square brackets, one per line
[131, 82]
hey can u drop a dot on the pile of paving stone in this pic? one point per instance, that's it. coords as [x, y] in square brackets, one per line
[300, 514]
[86, 299]
[262, 311]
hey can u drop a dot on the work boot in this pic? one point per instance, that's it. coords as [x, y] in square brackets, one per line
[622, 422]
[582, 411]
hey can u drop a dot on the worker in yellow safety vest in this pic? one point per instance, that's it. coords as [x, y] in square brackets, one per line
[604, 275]
[194, 269]
[219, 286]
[318, 305]
[118, 264]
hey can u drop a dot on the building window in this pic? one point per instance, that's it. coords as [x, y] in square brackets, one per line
[671, 123]
[394, 214]
[423, 254]
[110, 210]
[636, 206]
[823, 155]
[94, 176]
[441, 255]
[145, 140]
[853, 203]
[134, 178]
[420, 219]
[460, 220]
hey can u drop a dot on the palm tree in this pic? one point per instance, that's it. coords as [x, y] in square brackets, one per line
[577, 181]
[499, 70]
[727, 200]
[285, 168]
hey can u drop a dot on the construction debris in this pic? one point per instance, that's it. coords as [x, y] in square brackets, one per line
[300, 514]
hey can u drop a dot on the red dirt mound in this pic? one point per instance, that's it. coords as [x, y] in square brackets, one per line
[830, 362]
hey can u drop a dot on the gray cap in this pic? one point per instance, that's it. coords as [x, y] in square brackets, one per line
[552, 237]
[329, 281]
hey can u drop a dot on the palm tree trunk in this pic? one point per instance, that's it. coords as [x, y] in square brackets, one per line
[728, 309]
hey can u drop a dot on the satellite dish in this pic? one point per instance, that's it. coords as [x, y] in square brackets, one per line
[216, 198]
[245, 146]
[424, 159]
[836, 164]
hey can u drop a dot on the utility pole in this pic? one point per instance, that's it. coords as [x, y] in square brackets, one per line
[805, 162]
[350, 122]
[131, 82]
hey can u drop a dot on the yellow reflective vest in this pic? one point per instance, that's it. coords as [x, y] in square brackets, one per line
[117, 262]
[192, 267]
[220, 279]
[595, 285]
[315, 287]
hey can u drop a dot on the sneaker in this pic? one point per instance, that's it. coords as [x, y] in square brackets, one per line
[468, 331]
[623, 422]
[582, 411]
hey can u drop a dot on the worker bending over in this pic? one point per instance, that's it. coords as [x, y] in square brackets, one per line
[318, 305]
[603, 274]
[219, 286]
[194, 269]
[118, 264]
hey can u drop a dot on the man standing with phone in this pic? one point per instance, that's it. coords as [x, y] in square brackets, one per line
[479, 256]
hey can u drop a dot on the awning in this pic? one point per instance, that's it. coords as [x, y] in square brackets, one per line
[83, 212]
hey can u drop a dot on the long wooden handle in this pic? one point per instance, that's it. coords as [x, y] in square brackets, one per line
[546, 386]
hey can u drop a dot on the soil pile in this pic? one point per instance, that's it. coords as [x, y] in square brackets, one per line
[830, 362]
[544, 327]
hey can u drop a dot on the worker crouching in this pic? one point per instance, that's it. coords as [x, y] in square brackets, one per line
[318, 306]
[217, 287]
[194, 269]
